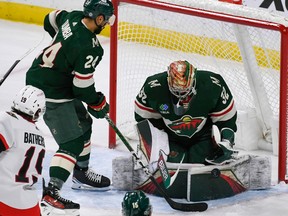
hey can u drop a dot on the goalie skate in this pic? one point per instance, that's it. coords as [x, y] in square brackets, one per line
[87, 179]
[52, 204]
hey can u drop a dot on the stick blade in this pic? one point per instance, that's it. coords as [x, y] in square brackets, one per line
[187, 207]
[190, 207]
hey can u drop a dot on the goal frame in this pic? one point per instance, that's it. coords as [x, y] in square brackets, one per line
[282, 29]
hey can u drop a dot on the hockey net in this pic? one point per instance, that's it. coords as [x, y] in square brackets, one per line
[246, 46]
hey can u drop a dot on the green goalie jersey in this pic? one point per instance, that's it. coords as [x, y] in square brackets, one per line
[64, 69]
[211, 103]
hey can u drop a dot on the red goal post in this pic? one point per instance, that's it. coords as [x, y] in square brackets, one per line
[207, 12]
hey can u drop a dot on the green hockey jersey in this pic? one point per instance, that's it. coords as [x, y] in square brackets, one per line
[211, 103]
[64, 69]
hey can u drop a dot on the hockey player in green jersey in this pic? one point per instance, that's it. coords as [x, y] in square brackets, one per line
[185, 103]
[64, 71]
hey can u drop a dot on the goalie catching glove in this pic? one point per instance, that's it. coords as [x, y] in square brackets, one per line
[224, 152]
[100, 109]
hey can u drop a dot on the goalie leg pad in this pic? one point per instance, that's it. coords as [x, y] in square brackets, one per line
[260, 178]
[125, 176]
[152, 140]
[122, 173]
[255, 173]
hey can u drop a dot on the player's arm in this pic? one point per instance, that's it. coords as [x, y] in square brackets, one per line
[143, 108]
[96, 101]
[84, 85]
[6, 138]
[83, 82]
[53, 20]
[224, 114]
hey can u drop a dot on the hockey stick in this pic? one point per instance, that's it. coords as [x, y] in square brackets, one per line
[18, 60]
[188, 207]
[167, 180]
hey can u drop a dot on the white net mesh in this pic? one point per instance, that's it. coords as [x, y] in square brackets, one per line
[150, 39]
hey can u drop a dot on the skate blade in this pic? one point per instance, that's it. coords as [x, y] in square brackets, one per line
[77, 186]
[48, 210]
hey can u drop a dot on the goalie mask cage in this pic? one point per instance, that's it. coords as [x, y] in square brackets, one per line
[248, 47]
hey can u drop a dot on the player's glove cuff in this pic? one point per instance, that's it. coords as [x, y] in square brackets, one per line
[99, 110]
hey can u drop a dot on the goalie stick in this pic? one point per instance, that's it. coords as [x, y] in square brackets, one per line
[187, 207]
[167, 180]
[18, 60]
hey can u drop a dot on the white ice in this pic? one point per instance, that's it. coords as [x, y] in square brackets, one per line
[15, 40]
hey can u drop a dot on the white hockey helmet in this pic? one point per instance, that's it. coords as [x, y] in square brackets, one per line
[31, 101]
[181, 75]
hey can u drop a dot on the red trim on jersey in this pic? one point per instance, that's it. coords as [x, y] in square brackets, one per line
[6, 210]
[3, 140]
[100, 106]
[144, 108]
[67, 158]
[224, 112]
[87, 145]
[83, 77]
[57, 12]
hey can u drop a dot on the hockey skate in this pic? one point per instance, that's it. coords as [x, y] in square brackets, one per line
[52, 204]
[87, 179]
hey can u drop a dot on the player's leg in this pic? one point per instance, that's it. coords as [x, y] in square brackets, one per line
[63, 123]
[176, 153]
[83, 176]
[200, 150]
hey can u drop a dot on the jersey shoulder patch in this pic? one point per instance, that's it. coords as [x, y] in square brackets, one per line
[209, 80]
[157, 80]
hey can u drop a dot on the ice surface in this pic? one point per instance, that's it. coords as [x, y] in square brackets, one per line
[15, 40]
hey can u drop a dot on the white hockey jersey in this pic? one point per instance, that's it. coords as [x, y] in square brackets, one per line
[22, 153]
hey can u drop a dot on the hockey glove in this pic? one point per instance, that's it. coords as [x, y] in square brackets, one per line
[100, 109]
[223, 154]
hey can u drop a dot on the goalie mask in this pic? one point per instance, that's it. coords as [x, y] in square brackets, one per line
[181, 78]
[30, 101]
[136, 203]
[95, 8]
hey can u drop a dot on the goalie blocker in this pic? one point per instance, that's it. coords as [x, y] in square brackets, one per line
[194, 182]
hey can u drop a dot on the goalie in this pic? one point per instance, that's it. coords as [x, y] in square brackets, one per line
[185, 103]
[176, 111]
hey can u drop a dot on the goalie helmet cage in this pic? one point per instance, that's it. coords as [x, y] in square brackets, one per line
[248, 47]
